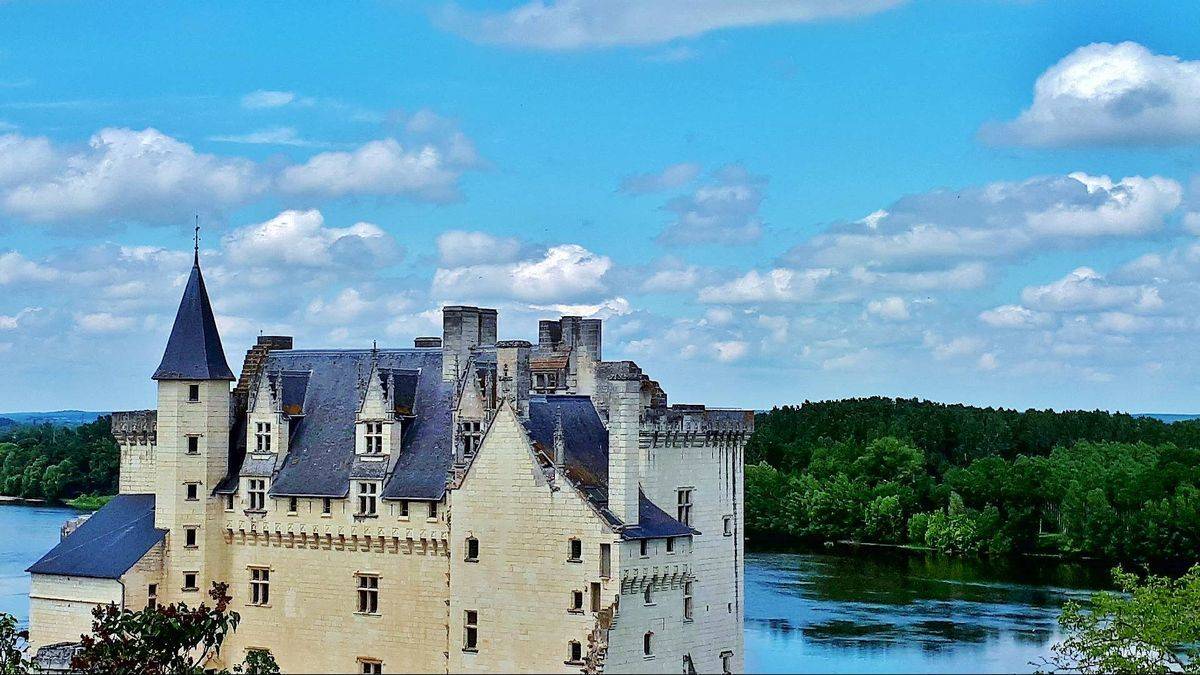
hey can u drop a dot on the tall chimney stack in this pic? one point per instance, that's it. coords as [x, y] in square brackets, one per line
[624, 421]
[514, 379]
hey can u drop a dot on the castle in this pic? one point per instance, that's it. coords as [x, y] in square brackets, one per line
[464, 505]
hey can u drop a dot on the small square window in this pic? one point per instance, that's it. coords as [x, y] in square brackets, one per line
[193, 393]
[152, 596]
[189, 537]
[370, 667]
[575, 551]
[189, 581]
[472, 549]
[576, 606]
[193, 443]
[193, 492]
[574, 652]
[326, 506]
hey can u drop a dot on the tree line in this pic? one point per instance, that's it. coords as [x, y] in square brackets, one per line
[964, 479]
[54, 462]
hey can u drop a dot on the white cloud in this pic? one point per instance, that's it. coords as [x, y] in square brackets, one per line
[103, 322]
[1086, 290]
[271, 136]
[383, 168]
[140, 175]
[24, 158]
[670, 178]
[988, 361]
[777, 285]
[1014, 316]
[301, 238]
[730, 351]
[605, 309]
[12, 322]
[956, 348]
[724, 210]
[562, 273]
[1109, 94]
[265, 98]
[893, 308]
[16, 268]
[459, 248]
[584, 24]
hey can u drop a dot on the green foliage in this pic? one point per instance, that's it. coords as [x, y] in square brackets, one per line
[1152, 626]
[971, 480]
[12, 658]
[165, 639]
[54, 462]
[89, 502]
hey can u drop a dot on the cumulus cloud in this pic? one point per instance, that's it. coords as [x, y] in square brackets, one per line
[562, 273]
[893, 308]
[103, 322]
[459, 248]
[301, 238]
[777, 285]
[1086, 290]
[382, 168]
[724, 210]
[16, 268]
[12, 322]
[131, 174]
[672, 177]
[590, 24]
[1014, 316]
[1103, 93]
[731, 350]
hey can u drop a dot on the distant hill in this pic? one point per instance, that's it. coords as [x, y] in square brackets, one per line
[6, 423]
[1167, 417]
[63, 418]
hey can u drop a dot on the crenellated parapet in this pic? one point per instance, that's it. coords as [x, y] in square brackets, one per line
[695, 425]
[135, 427]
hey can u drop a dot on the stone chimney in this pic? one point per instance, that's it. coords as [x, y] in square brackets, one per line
[422, 342]
[512, 373]
[624, 421]
[463, 329]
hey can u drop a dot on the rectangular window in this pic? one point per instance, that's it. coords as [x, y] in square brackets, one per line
[193, 445]
[368, 499]
[370, 667]
[684, 506]
[670, 544]
[189, 537]
[687, 601]
[644, 547]
[293, 504]
[193, 393]
[368, 594]
[260, 586]
[574, 652]
[433, 510]
[189, 581]
[471, 631]
[193, 491]
[576, 605]
[374, 434]
[257, 493]
[575, 550]
[648, 644]
[471, 432]
[262, 437]
[727, 663]
[545, 383]
[326, 506]
[404, 509]
[472, 549]
[152, 596]
[605, 561]
[595, 596]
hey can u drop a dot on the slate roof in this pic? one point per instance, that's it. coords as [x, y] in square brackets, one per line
[194, 349]
[107, 544]
[586, 465]
[321, 460]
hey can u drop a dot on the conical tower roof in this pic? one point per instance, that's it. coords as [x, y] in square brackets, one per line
[194, 349]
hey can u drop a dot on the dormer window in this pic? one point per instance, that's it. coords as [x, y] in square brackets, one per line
[262, 437]
[374, 436]
[368, 499]
[257, 494]
[545, 383]
[472, 435]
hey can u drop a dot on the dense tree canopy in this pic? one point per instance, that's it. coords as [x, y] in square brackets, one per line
[55, 462]
[964, 479]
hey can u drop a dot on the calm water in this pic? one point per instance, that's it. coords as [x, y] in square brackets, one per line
[889, 612]
[26, 532]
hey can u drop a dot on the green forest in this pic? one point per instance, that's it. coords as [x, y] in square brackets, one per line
[975, 480]
[54, 462]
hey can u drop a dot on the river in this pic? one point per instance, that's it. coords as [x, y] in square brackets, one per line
[876, 611]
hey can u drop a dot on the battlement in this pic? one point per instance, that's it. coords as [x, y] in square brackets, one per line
[697, 419]
[135, 427]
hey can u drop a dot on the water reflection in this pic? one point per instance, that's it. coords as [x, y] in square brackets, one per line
[893, 611]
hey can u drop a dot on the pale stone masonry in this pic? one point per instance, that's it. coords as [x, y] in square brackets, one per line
[464, 505]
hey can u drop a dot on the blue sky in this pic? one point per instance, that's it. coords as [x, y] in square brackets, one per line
[768, 201]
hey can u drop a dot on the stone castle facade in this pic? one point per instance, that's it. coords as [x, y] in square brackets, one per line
[464, 505]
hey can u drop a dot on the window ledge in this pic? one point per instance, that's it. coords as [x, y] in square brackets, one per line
[189, 590]
[574, 560]
[255, 512]
[471, 560]
[326, 515]
[647, 657]
[368, 614]
[431, 520]
[470, 650]
[573, 663]
[192, 547]
[251, 604]
[574, 611]
[366, 516]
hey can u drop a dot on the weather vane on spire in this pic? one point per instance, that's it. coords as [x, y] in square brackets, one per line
[197, 240]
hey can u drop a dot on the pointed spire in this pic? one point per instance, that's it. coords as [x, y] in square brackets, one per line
[194, 349]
